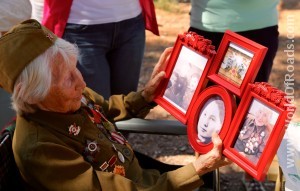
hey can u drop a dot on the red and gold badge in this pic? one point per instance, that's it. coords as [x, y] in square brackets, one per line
[119, 170]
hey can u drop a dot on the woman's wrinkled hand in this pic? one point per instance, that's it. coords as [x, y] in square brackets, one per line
[213, 159]
[157, 75]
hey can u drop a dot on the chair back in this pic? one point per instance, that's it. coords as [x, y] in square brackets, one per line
[10, 178]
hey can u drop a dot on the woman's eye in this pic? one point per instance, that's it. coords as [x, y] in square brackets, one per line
[68, 81]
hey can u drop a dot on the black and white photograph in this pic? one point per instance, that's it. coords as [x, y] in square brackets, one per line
[185, 78]
[211, 119]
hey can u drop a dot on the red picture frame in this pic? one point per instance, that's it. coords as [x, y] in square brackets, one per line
[212, 111]
[186, 73]
[237, 62]
[261, 122]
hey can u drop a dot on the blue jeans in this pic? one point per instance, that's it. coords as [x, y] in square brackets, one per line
[110, 54]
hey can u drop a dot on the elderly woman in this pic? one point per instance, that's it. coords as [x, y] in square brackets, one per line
[64, 139]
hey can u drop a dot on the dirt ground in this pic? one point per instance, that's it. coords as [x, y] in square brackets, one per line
[176, 149]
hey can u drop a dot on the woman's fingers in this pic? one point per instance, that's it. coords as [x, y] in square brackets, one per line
[162, 62]
[217, 142]
[157, 75]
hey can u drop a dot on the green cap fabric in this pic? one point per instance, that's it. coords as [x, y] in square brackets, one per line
[19, 46]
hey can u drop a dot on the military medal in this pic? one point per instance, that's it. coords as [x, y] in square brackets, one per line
[106, 123]
[92, 146]
[74, 129]
[108, 129]
[91, 149]
[112, 161]
[97, 117]
[114, 136]
[97, 107]
[120, 155]
[92, 119]
[126, 151]
[118, 137]
[104, 166]
[50, 37]
[108, 126]
[83, 100]
[119, 170]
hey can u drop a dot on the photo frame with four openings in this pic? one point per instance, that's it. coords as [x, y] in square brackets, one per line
[233, 69]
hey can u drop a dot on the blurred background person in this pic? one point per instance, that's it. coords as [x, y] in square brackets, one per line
[12, 12]
[256, 20]
[110, 36]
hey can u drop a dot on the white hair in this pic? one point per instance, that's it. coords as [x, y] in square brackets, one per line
[34, 82]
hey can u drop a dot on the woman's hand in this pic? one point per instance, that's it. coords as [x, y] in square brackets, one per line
[213, 159]
[157, 75]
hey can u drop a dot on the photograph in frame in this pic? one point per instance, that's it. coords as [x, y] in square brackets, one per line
[235, 64]
[255, 131]
[186, 75]
[211, 118]
[212, 112]
[185, 78]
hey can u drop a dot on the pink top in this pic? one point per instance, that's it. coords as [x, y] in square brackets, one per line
[56, 13]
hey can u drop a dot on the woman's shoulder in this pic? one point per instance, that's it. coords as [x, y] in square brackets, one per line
[91, 95]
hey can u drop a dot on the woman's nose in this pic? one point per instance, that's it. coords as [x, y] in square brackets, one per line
[80, 81]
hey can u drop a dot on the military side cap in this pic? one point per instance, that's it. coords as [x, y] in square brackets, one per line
[19, 46]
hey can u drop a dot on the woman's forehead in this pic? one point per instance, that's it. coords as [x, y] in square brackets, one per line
[61, 62]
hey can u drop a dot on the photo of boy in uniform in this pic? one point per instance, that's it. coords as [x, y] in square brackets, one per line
[255, 131]
[211, 119]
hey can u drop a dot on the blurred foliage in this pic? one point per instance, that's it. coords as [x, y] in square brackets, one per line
[170, 5]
